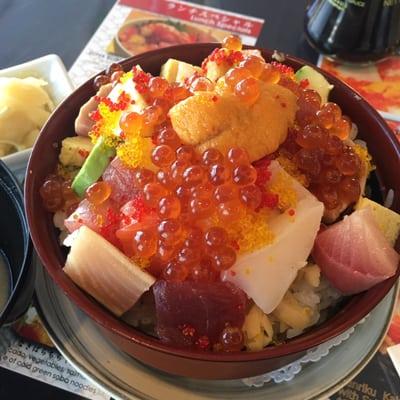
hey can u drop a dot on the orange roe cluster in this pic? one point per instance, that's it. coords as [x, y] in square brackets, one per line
[107, 120]
[223, 56]
[57, 194]
[122, 102]
[195, 213]
[159, 94]
[316, 151]
[304, 83]
[141, 79]
[245, 77]
[282, 68]
[228, 55]
[107, 113]
[138, 127]
[112, 75]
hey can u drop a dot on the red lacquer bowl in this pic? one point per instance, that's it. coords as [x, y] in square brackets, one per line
[386, 154]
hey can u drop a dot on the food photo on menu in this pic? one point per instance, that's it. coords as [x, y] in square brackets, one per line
[193, 212]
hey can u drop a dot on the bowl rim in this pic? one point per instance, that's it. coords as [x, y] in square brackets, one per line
[117, 326]
[15, 196]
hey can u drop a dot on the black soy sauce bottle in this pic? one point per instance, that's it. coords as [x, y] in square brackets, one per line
[354, 30]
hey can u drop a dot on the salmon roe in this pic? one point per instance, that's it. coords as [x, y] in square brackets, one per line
[317, 148]
[186, 195]
[57, 194]
[232, 42]
[98, 192]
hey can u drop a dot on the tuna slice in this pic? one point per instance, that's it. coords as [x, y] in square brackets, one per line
[120, 178]
[266, 274]
[100, 269]
[88, 214]
[189, 310]
[126, 234]
[354, 254]
[102, 218]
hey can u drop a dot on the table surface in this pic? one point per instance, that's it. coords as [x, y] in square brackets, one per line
[33, 28]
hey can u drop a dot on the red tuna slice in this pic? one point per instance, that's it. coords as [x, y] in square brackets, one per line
[189, 310]
[354, 254]
[120, 178]
[126, 234]
[135, 216]
[102, 218]
[136, 210]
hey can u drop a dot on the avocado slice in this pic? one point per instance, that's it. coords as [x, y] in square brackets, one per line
[93, 167]
[316, 81]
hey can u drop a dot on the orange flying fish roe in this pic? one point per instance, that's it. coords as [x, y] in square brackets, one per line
[282, 186]
[283, 69]
[290, 167]
[106, 125]
[365, 157]
[135, 151]
[249, 233]
[126, 77]
[141, 80]
[304, 83]
[219, 56]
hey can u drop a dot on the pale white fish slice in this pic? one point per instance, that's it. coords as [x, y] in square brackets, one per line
[103, 271]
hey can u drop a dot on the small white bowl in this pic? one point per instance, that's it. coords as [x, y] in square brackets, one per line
[51, 69]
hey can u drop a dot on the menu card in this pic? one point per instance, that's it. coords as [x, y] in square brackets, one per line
[135, 26]
[26, 349]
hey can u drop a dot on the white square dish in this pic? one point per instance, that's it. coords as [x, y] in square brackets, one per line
[52, 70]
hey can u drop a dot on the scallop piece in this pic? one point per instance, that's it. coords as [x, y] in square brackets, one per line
[266, 274]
